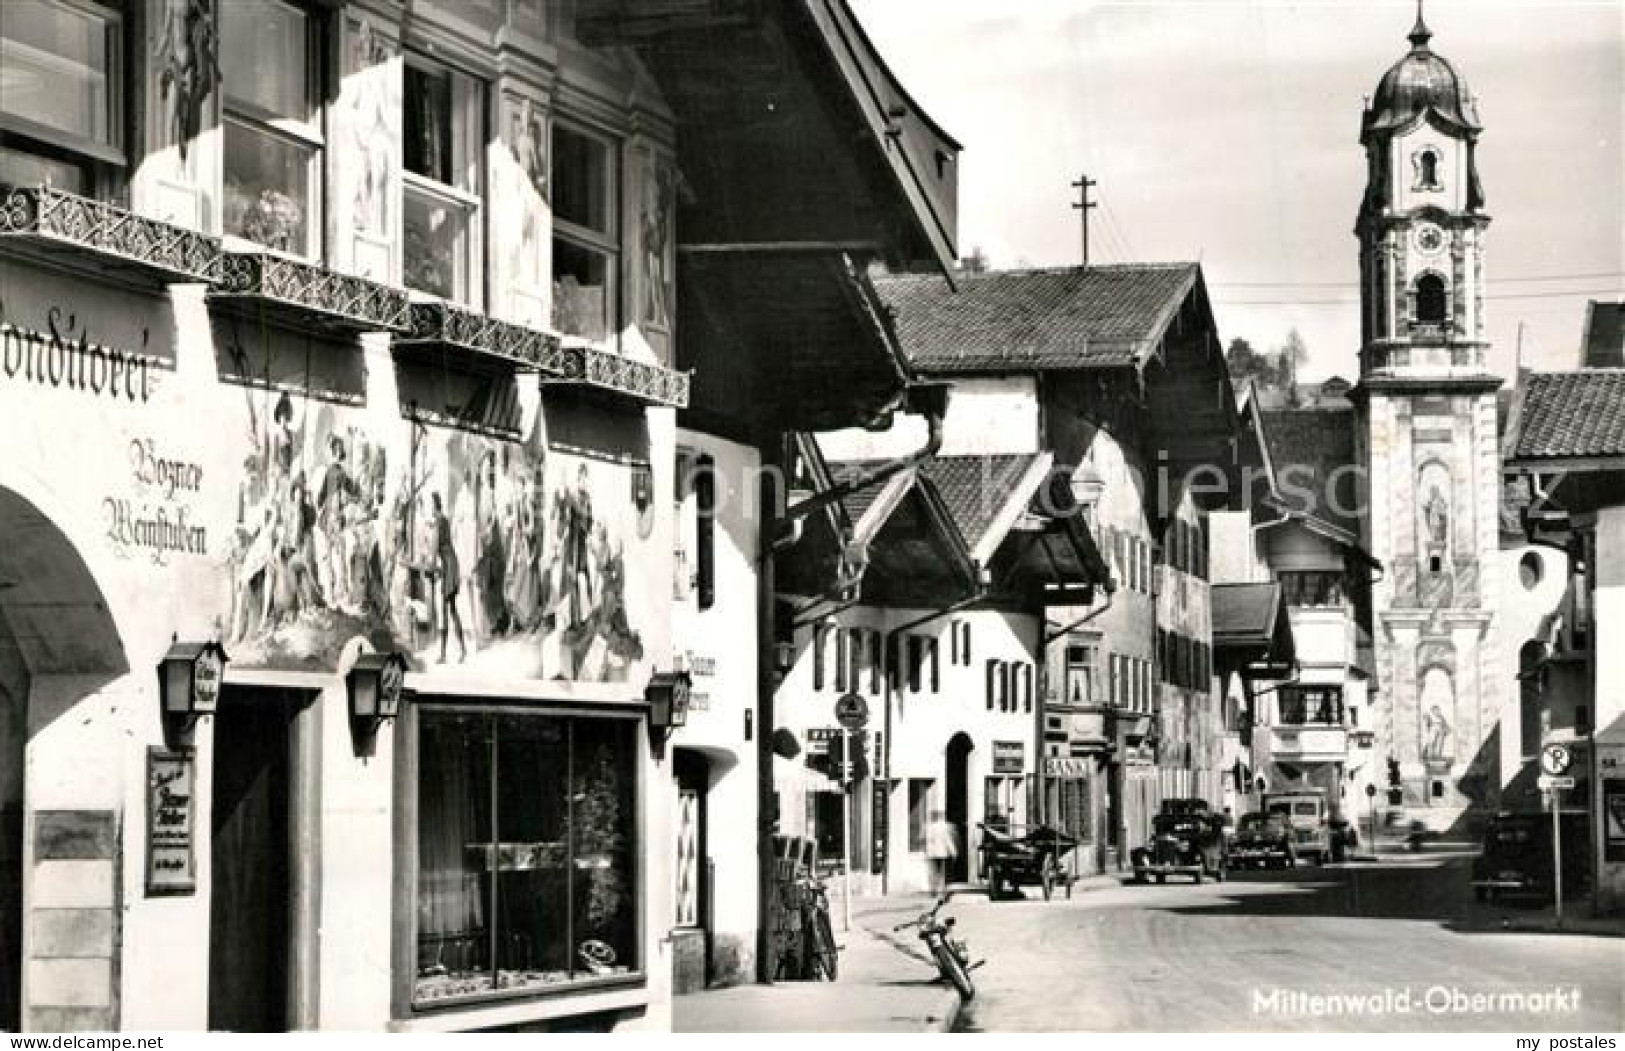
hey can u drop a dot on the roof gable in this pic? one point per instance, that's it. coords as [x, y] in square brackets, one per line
[1570, 415]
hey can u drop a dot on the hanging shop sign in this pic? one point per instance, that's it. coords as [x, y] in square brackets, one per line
[1008, 756]
[171, 810]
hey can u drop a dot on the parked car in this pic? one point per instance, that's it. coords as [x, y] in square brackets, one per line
[1263, 841]
[1306, 811]
[1187, 839]
[1516, 861]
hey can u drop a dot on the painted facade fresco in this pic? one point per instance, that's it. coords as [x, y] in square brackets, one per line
[455, 548]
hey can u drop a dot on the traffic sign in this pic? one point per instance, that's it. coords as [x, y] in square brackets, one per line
[1548, 782]
[1555, 759]
[852, 711]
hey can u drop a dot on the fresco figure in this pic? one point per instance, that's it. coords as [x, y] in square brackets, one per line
[1437, 732]
[490, 563]
[450, 581]
[1437, 514]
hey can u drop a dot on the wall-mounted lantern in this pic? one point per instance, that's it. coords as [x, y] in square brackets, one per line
[189, 679]
[374, 684]
[668, 695]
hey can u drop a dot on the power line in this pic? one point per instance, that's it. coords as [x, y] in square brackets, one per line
[1349, 284]
[1354, 300]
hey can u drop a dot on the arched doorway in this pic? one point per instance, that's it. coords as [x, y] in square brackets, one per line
[54, 621]
[956, 802]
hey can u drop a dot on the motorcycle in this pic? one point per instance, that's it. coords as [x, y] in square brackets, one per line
[950, 953]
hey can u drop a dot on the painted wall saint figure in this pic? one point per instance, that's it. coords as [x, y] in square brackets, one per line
[1436, 704]
[1437, 515]
[657, 208]
[370, 130]
[187, 57]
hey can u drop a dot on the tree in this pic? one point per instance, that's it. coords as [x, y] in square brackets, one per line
[1274, 374]
[1291, 355]
[975, 263]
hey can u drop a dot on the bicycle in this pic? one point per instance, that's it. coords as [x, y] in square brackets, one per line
[825, 960]
[951, 954]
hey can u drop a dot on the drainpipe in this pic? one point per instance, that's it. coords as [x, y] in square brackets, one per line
[933, 403]
[887, 649]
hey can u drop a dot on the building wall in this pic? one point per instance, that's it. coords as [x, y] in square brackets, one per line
[923, 722]
[1438, 600]
[717, 645]
[1609, 670]
[987, 415]
[163, 477]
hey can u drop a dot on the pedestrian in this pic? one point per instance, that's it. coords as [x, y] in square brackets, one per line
[941, 846]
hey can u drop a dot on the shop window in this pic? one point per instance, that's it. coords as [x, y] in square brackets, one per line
[586, 246]
[269, 57]
[443, 178]
[919, 813]
[59, 115]
[527, 853]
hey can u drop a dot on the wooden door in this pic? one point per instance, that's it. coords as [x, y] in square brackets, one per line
[250, 905]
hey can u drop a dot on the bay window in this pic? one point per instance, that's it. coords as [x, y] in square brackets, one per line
[269, 58]
[59, 93]
[526, 850]
[443, 180]
[586, 231]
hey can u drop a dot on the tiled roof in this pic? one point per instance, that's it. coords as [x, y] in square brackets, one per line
[1572, 415]
[1245, 611]
[1604, 340]
[1308, 446]
[976, 488]
[1002, 320]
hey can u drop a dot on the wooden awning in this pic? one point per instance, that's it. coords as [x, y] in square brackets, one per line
[790, 125]
[785, 339]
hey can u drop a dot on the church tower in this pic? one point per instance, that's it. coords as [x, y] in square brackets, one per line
[1427, 439]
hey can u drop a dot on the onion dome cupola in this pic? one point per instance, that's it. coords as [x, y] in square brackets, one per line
[1423, 86]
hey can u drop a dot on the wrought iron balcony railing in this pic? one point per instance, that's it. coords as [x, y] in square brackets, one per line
[88, 233]
[307, 295]
[601, 370]
[495, 341]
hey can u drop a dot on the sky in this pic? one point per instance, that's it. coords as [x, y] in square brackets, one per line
[1228, 133]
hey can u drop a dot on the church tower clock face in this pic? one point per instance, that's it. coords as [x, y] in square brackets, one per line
[1429, 239]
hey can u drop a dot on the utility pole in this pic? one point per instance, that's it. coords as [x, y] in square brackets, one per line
[1083, 204]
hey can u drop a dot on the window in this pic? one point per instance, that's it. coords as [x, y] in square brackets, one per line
[705, 542]
[1312, 587]
[443, 177]
[1531, 570]
[527, 850]
[59, 114]
[1430, 300]
[931, 647]
[919, 813]
[840, 660]
[1311, 705]
[854, 658]
[269, 55]
[995, 683]
[916, 661]
[820, 637]
[1080, 674]
[876, 660]
[586, 247]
